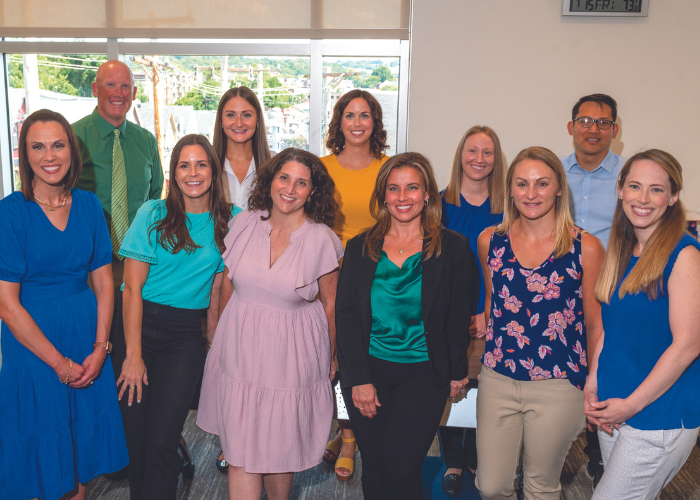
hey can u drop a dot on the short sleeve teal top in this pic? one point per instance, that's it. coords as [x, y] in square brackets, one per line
[182, 279]
[398, 333]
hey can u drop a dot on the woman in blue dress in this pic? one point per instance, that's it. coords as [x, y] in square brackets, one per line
[540, 272]
[60, 425]
[472, 201]
[642, 388]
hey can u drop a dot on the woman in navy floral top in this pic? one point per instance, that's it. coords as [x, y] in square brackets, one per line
[540, 272]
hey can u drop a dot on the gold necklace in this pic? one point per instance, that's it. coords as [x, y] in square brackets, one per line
[402, 248]
[50, 207]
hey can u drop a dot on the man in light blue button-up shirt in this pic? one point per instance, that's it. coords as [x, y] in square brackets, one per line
[591, 172]
[592, 169]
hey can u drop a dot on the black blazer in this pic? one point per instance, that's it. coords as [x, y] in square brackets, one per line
[449, 295]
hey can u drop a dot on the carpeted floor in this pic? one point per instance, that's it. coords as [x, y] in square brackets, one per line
[320, 482]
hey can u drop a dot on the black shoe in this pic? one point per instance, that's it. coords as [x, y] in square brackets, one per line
[452, 483]
[120, 475]
[594, 471]
[222, 465]
[519, 480]
[187, 464]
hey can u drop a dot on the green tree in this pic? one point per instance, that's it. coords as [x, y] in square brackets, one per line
[371, 82]
[54, 76]
[383, 73]
[297, 142]
[196, 98]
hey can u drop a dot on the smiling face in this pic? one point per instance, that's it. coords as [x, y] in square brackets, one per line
[291, 188]
[646, 195]
[477, 157]
[239, 120]
[49, 153]
[592, 141]
[357, 123]
[193, 176]
[534, 189]
[115, 91]
[405, 194]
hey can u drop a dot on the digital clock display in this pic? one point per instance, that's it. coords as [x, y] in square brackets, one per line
[630, 6]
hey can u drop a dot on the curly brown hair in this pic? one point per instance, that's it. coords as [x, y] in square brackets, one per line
[321, 205]
[335, 139]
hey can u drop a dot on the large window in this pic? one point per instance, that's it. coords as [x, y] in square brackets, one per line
[59, 82]
[297, 81]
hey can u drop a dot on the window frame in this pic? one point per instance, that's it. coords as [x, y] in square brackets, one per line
[316, 50]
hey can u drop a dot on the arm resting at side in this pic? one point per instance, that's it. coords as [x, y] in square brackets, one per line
[328, 286]
[28, 333]
[133, 372]
[103, 285]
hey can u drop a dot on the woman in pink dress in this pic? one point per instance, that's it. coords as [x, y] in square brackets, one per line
[267, 381]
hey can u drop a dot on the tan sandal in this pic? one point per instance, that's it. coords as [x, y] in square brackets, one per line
[332, 451]
[346, 463]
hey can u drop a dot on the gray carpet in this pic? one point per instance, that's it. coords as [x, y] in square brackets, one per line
[320, 482]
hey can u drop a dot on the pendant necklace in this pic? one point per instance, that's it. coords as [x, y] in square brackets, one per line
[401, 249]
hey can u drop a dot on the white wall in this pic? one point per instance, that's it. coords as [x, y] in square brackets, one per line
[519, 66]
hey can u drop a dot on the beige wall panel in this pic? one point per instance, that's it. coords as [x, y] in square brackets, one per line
[42, 13]
[519, 66]
[364, 14]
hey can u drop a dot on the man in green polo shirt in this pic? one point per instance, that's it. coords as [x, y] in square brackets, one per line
[121, 164]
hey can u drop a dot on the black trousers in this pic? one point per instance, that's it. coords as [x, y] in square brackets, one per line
[395, 442]
[459, 447]
[174, 351]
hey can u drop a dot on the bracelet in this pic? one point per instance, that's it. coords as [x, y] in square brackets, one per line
[70, 367]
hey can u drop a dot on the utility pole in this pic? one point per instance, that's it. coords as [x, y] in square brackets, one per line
[224, 74]
[156, 98]
[31, 83]
[261, 90]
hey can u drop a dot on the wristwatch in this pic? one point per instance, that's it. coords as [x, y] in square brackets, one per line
[106, 345]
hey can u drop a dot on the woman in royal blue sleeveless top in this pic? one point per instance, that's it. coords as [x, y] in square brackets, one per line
[540, 272]
[642, 390]
[472, 201]
[60, 425]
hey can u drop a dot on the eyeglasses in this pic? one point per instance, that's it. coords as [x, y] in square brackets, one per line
[587, 122]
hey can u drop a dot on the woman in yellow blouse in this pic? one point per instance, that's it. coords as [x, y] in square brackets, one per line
[357, 140]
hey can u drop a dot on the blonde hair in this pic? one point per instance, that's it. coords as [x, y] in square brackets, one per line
[647, 274]
[497, 191]
[430, 216]
[564, 228]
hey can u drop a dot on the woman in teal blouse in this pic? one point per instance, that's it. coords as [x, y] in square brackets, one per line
[404, 277]
[172, 273]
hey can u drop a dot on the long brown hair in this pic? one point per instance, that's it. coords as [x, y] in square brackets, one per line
[172, 231]
[563, 223]
[321, 205]
[26, 174]
[429, 217]
[261, 151]
[497, 190]
[647, 274]
[335, 139]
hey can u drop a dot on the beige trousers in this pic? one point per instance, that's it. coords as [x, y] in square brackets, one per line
[540, 417]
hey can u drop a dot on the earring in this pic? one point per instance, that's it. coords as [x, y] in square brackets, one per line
[426, 203]
[385, 203]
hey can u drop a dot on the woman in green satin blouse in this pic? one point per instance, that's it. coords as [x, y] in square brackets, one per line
[402, 278]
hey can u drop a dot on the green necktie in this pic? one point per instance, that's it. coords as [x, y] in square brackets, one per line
[120, 204]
